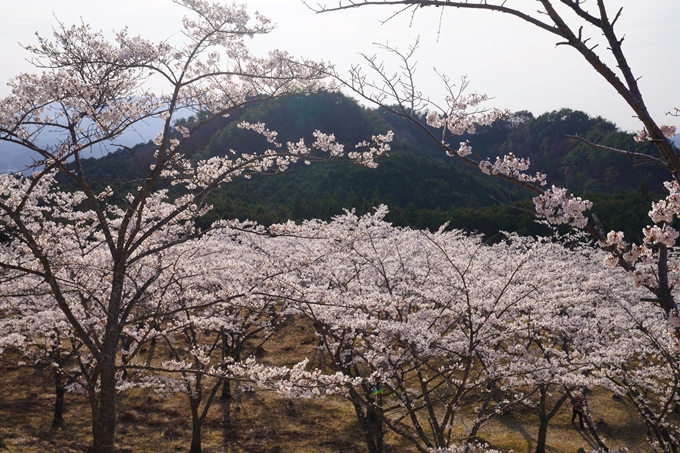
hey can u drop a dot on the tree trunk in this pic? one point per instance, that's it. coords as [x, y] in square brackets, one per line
[228, 351]
[225, 408]
[374, 431]
[226, 389]
[59, 391]
[371, 425]
[542, 435]
[104, 418]
[195, 427]
[544, 416]
[152, 350]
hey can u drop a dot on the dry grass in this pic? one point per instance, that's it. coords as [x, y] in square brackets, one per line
[262, 422]
[616, 421]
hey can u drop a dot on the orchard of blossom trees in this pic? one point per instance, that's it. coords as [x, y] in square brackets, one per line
[429, 335]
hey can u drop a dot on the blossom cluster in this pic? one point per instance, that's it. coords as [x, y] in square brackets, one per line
[458, 120]
[665, 235]
[512, 166]
[665, 210]
[295, 381]
[559, 208]
[463, 115]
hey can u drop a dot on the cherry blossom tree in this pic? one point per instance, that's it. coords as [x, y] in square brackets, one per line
[429, 325]
[218, 297]
[213, 287]
[632, 357]
[548, 358]
[39, 334]
[101, 246]
[571, 23]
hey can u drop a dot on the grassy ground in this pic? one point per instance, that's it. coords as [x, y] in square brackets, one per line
[616, 420]
[262, 422]
[250, 422]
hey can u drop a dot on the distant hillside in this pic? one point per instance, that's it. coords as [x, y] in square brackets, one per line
[421, 185]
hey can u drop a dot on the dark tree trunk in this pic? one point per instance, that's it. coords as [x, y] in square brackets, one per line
[371, 424]
[59, 391]
[198, 417]
[152, 350]
[542, 435]
[195, 427]
[104, 416]
[544, 416]
[104, 423]
[373, 429]
[228, 351]
[226, 389]
[225, 408]
[104, 407]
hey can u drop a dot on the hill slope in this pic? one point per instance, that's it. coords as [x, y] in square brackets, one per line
[422, 186]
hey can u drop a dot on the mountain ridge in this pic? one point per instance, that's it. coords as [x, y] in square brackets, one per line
[421, 185]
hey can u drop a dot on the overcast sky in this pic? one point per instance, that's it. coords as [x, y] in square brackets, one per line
[517, 64]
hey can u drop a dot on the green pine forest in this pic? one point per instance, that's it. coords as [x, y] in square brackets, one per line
[422, 187]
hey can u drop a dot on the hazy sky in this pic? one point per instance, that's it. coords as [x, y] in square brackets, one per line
[517, 64]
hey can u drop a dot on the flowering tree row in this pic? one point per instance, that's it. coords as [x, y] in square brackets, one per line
[430, 335]
[430, 325]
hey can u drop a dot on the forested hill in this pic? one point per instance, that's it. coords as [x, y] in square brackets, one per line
[421, 185]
